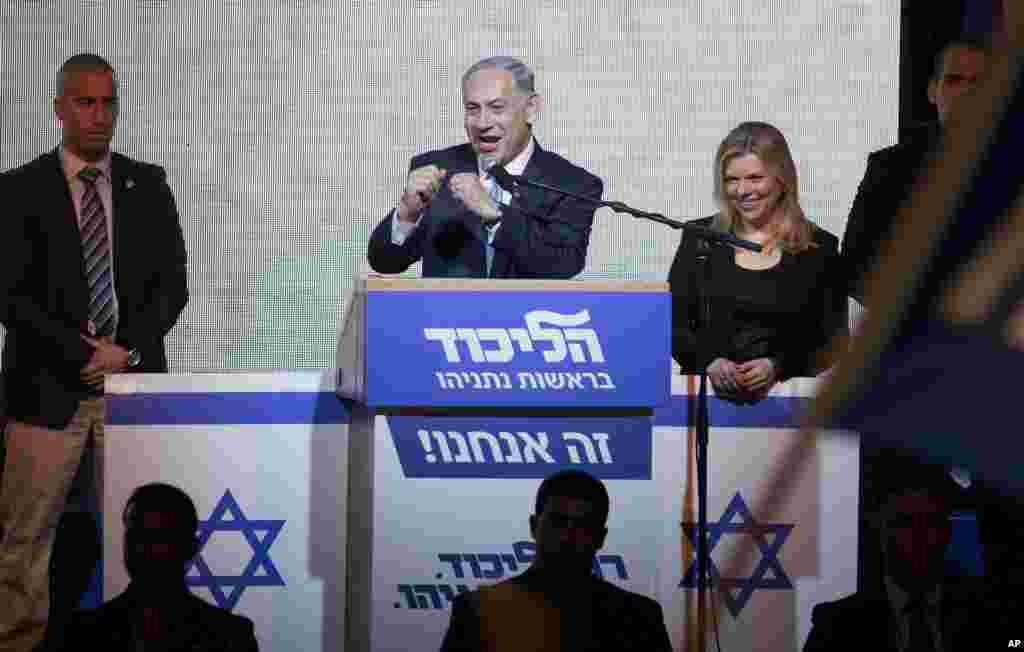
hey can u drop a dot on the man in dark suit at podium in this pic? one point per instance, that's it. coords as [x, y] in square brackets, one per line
[891, 171]
[558, 603]
[454, 217]
[92, 277]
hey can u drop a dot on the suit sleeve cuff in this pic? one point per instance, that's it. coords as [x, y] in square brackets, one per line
[401, 230]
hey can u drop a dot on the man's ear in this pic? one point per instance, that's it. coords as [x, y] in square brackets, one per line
[933, 91]
[534, 103]
[533, 526]
[193, 547]
[600, 538]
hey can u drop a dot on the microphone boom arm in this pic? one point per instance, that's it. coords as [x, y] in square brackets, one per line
[503, 177]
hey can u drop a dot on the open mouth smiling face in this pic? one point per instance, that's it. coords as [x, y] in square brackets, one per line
[497, 114]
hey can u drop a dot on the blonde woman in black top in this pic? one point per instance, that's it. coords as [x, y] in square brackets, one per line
[770, 312]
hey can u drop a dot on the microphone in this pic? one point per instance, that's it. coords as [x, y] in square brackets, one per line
[512, 184]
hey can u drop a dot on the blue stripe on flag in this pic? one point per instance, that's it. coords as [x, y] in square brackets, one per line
[187, 408]
[771, 412]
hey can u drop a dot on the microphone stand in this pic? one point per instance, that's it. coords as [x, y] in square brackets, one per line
[705, 238]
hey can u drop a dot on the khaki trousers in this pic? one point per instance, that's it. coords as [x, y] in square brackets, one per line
[38, 472]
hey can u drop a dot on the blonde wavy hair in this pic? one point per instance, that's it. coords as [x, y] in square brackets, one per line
[791, 230]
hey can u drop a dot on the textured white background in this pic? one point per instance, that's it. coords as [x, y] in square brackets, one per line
[286, 127]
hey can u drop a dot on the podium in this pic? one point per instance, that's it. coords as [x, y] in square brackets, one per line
[499, 343]
[467, 394]
[384, 510]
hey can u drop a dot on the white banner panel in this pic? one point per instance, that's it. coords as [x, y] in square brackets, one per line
[264, 458]
[442, 525]
[796, 554]
[444, 504]
[439, 505]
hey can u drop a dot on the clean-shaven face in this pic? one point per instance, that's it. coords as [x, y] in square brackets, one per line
[917, 532]
[497, 114]
[962, 69]
[88, 113]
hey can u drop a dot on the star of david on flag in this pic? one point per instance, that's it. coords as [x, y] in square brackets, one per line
[227, 516]
[769, 574]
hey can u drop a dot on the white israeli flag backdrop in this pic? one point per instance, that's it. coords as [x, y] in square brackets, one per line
[267, 458]
[264, 458]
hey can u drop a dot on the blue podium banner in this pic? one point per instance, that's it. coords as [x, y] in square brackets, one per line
[515, 349]
[612, 448]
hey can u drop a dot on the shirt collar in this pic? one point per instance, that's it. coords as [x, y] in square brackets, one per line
[899, 599]
[516, 165]
[72, 164]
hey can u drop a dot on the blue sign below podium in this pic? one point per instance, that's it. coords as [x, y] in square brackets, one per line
[511, 344]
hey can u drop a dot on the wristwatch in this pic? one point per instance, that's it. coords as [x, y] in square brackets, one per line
[134, 358]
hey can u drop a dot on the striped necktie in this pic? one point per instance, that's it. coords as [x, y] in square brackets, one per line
[96, 256]
[495, 192]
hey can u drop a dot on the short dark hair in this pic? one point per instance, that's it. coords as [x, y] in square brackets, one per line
[969, 41]
[573, 483]
[79, 63]
[165, 499]
[521, 73]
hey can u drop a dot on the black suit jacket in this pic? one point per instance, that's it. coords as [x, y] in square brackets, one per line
[542, 234]
[44, 293]
[814, 299]
[886, 184]
[202, 628]
[617, 620]
[864, 621]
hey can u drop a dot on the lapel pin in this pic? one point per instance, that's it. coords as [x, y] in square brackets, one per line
[129, 184]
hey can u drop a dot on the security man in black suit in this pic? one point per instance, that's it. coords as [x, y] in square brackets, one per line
[891, 171]
[887, 183]
[92, 277]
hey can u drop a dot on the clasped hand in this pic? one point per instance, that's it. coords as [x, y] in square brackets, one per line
[744, 381]
[424, 183]
[467, 188]
[107, 358]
